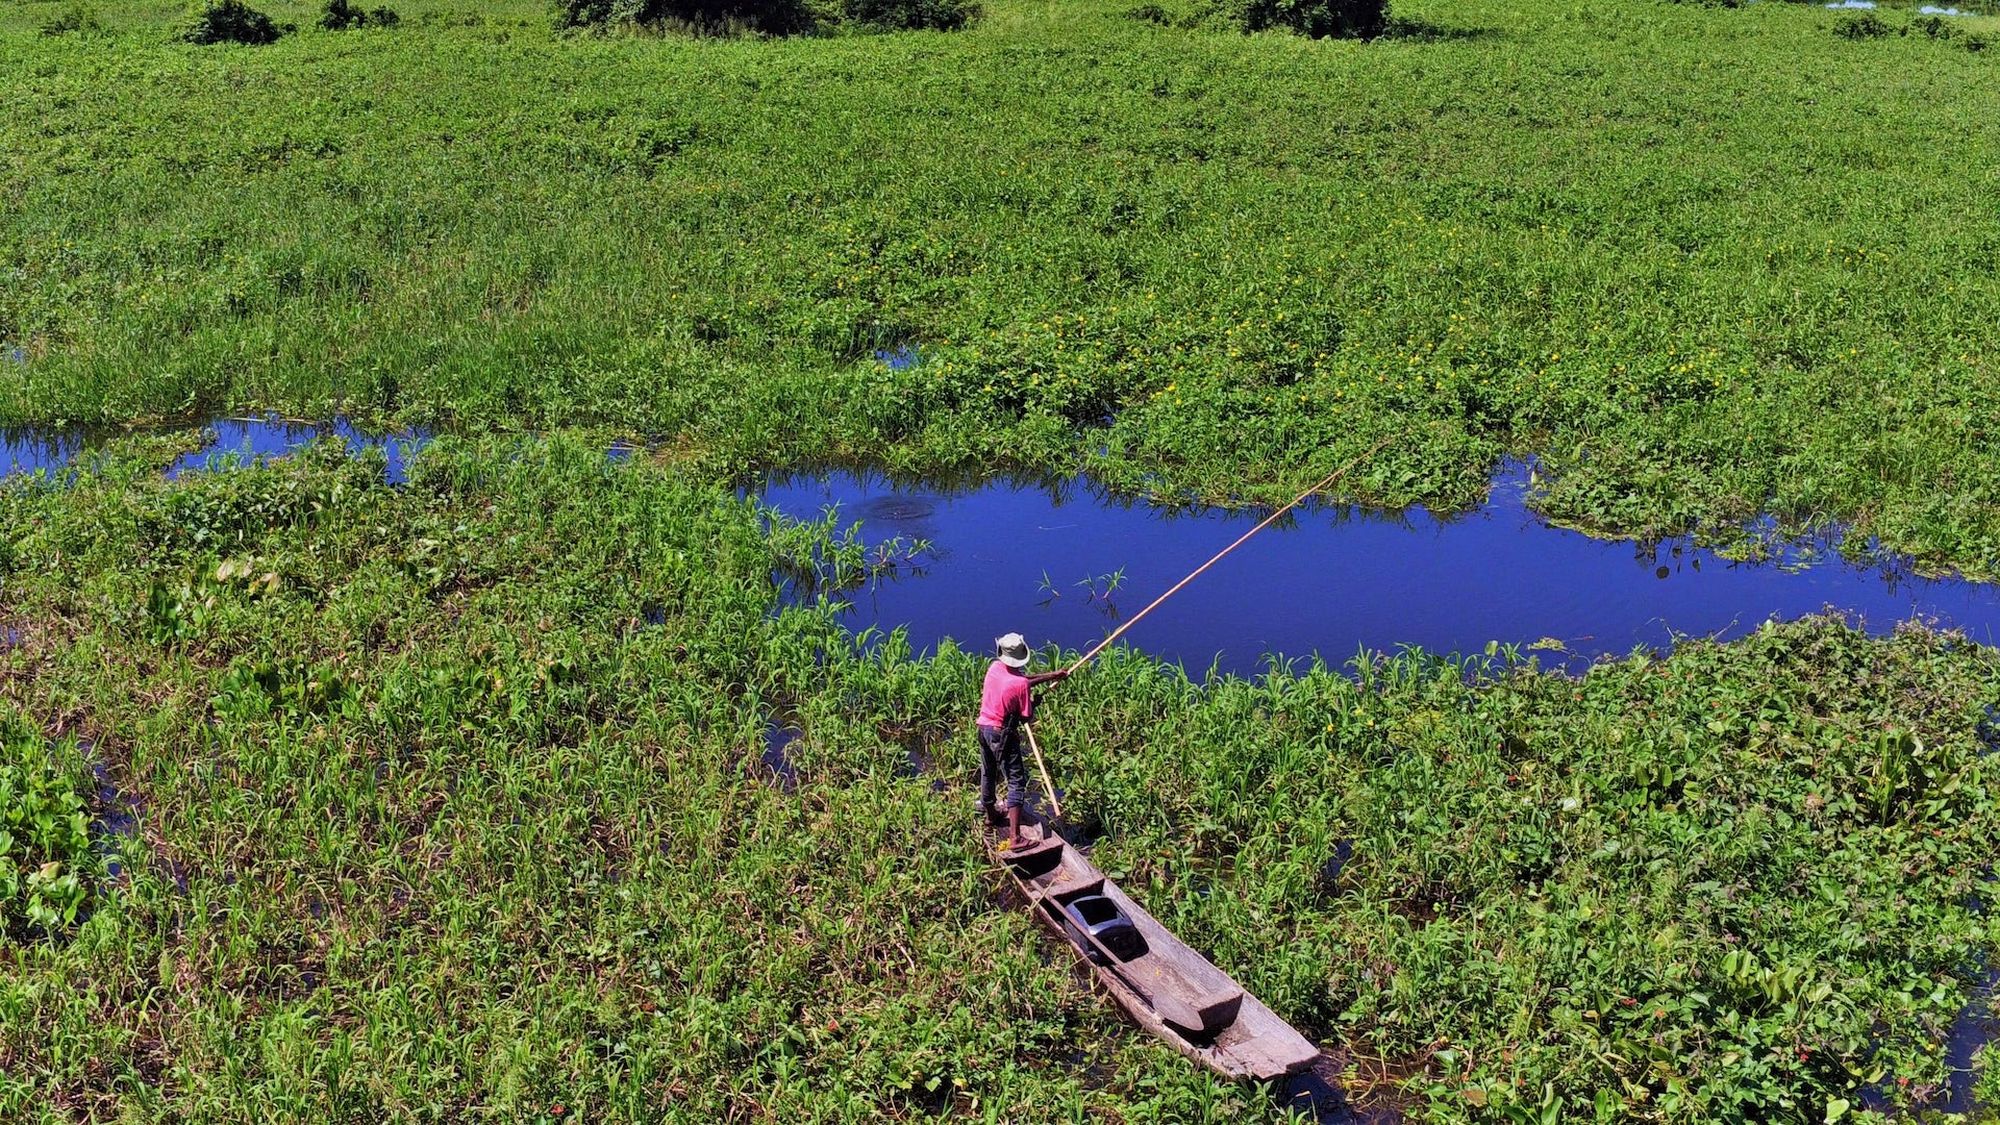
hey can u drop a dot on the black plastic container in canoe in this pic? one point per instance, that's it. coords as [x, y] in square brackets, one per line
[1163, 985]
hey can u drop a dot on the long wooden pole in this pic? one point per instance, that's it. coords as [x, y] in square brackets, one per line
[1268, 521]
[1048, 786]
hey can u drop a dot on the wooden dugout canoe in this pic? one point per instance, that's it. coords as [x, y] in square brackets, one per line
[1162, 984]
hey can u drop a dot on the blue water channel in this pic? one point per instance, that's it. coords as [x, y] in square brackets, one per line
[243, 441]
[1064, 563]
[233, 442]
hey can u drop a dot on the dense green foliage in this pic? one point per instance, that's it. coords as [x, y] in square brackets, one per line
[46, 863]
[911, 15]
[1704, 262]
[449, 801]
[452, 797]
[1317, 18]
[766, 17]
[230, 21]
[76, 18]
[344, 15]
[1867, 25]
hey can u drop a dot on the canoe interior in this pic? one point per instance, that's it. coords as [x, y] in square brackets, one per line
[1163, 984]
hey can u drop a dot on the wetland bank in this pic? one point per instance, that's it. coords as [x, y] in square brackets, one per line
[446, 796]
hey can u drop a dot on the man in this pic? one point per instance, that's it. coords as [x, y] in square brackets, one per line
[1007, 701]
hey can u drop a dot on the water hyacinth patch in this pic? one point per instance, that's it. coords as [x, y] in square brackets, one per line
[1222, 260]
[426, 757]
[48, 870]
[455, 800]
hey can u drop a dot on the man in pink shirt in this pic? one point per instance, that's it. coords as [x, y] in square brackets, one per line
[1007, 701]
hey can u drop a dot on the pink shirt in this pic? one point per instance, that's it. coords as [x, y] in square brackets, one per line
[1006, 693]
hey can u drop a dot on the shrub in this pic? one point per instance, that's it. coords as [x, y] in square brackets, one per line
[1346, 19]
[78, 17]
[341, 15]
[766, 17]
[231, 21]
[1864, 26]
[910, 15]
[1932, 26]
[45, 858]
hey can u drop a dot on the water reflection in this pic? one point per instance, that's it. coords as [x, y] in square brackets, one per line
[246, 441]
[235, 441]
[27, 450]
[777, 739]
[898, 357]
[1063, 562]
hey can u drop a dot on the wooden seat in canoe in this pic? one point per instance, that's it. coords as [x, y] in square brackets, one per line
[1209, 1013]
[1032, 846]
[1066, 886]
[1164, 985]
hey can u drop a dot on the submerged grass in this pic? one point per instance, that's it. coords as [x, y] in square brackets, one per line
[450, 805]
[1705, 262]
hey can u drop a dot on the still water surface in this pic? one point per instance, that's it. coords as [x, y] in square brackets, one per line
[235, 441]
[1036, 557]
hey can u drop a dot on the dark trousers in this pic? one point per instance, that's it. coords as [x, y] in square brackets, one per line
[1000, 756]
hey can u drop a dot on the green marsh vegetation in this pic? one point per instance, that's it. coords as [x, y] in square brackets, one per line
[450, 801]
[1704, 262]
[448, 797]
[47, 867]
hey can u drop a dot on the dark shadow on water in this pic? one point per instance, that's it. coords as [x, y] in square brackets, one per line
[1332, 581]
[777, 738]
[918, 763]
[1988, 730]
[1973, 1028]
[114, 814]
[1336, 865]
[1317, 1097]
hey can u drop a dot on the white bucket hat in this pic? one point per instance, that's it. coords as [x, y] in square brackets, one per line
[1013, 650]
